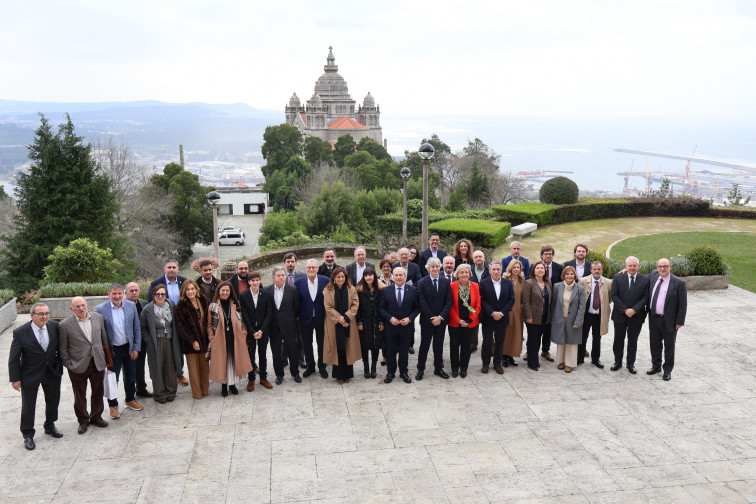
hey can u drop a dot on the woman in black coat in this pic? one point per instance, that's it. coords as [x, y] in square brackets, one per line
[369, 321]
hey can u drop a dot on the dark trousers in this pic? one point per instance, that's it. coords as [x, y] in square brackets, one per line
[51, 388]
[280, 343]
[122, 359]
[261, 347]
[535, 335]
[474, 339]
[397, 342]
[305, 334]
[493, 333]
[632, 331]
[459, 347]
[545, 339]
[141, 384]
[660, 339]
[79, 385]
[591, 324]
[435, 335]
[369, 354]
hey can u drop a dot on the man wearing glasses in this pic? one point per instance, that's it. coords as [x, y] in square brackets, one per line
[666, 312]
[34, 361]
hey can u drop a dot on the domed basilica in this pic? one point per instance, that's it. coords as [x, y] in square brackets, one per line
[330, 112]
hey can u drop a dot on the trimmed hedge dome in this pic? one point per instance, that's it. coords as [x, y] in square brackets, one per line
[559, 191]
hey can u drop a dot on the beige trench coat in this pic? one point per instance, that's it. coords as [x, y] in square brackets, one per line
[242, 364]
[353, 350]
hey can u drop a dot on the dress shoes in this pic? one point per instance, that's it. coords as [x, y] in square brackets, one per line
[144, 393]
[224, 390]
[616, 366]
[441, 373]
[279, 380]
[653, 370]
[598, 364]
[161, 401]
[233, 389]
[525, 357]
[388, 379]
[250, 386]
[298, 379]
[303, 365]
[324, 373]
[567, 369]
[54, 432]
[373, 374]
[484, 370]
[499, 369]
[505, 362]
[82, 428]
[419, 375]
[309, 371]
[182, 380]
[534, 368]
[513, 362]
[455, 373]
[266, 384]
[99, 423]
[586, 354]
[134, 405]
[406, 378]
[29, 443]
[463, 373]
[667, 376]
[340, 382]
[411, 350]
[114, 414]
[366, 374]
[632, 369]
[560, 366]
[547, 356]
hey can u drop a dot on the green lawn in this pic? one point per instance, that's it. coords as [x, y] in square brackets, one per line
[737, 250]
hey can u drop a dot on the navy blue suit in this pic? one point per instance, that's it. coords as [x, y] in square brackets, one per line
[398, 337]
[495, 330]
[427, 254]
[311, 317]
[413, 272]
[525, 264]
[162, 280]
[122, 354]
[433, 304]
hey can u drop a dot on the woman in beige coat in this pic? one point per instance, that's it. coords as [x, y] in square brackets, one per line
[536, 310]
[229, 357]
[341, 344]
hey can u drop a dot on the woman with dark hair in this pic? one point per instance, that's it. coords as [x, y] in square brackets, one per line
[369, 321]
[536, 310]
[386, 266]
[158, 325]
[463, 250]
[414, 254]
[191, 320]
[229, 358]
[341, 346]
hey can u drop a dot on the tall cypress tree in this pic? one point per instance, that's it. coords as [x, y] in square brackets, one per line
[60, 198]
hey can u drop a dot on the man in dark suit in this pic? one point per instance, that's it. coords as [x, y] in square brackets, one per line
[666, 313]
[447, 268]
[329, 262]
[411, 270]
[257, 313]
[240, 281]
[132, 294]
[207, 281]
[434, 297]
[172, 281]
[125, 337]
[34, 361]
[398, 306]
[496, 300]
[515, 252]
[554, 272]
[432, 251]
[630, 298]
[581, 265]
[284, 330]
[312, 315]
[355, 269]
[292, 274]
[81, 345]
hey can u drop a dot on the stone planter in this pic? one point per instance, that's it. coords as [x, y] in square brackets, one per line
[8, 314]
[60, 308]
[710, 282]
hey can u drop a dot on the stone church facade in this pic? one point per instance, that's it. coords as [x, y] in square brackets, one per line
[330, 112]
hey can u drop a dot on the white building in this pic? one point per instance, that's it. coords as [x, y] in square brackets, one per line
[242, 200]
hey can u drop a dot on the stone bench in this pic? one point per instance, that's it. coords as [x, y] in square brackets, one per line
[524, 229]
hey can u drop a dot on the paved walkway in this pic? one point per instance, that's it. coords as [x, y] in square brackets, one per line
[538, 437]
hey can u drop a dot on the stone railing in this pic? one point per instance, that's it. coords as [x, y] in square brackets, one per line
[8, 314]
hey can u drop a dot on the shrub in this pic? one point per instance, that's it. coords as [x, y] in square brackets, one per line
[596, 208]
[195, 264]
[559, 191]
[414, 209]
[29, 297]
[72, 289]
[538, 213]
[5, 296]
[733, 212]
[391, 224]
[278, 225]
[82, 261]
[481, 232]
[707, 261]
[681, 266]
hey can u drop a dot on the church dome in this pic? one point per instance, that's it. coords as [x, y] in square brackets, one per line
[331, 85]
[294, 100]
[369, 101]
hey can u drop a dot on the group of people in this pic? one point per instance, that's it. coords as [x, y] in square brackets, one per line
[222, 329]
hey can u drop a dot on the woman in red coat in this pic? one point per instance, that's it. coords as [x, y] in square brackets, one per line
[463, 319]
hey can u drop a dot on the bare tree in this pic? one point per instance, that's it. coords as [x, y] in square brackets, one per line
[308, 189]
[506, 188]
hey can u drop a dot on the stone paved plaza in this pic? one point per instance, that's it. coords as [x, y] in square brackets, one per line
[589, 436]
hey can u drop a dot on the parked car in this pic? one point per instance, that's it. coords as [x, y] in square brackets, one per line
[231, 229]
[231, 238]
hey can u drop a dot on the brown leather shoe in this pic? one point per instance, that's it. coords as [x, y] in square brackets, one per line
[567, 369]
[82, 428]
[183, 381]
[525, 357]
[250, 386]
[484, 369]
[561, 366]
[499, 369]
[114, 414]
[134, 405]
[266, 384]
[99, 423]
[547, 356]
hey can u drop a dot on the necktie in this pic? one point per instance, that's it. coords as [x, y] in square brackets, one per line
[655, 298]
[632, 284]
[291, 278]
[399, 296]
[43, 339]
[435, 284]
[596, 295]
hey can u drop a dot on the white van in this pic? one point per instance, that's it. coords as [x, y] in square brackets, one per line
[231, 238]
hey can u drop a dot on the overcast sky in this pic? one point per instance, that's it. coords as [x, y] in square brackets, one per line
[587, 57]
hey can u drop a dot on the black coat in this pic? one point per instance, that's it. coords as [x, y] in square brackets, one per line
[256, 318]
[586, 270]
[388, 307]
[427, 254]
[161, 280]
[432, 303]
[189, 326]
[284, 319]
[413, 272]
[622, 299]
[490, 304]
[27, 360]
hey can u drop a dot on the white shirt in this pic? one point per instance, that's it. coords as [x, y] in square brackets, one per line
[86, 326]
[312, 286]
[497, 287]
[590, 299]
[358, 273]
[278, 295]
[579, 268]
[255, 296]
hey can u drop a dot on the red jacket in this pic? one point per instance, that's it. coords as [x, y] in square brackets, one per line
[474, 302]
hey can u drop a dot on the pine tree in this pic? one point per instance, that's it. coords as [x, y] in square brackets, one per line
[60, 198]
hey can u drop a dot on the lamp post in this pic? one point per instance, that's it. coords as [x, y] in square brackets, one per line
[213, 198]
[405, 174]
[425, 152]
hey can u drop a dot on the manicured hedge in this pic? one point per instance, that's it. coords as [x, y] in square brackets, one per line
[733, 212]
[483, 233]
[71, 289]
[391, 224]
[538, 213]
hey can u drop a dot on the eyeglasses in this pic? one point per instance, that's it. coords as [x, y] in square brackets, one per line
[46, 314]
[662, 267]
[160, 294]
